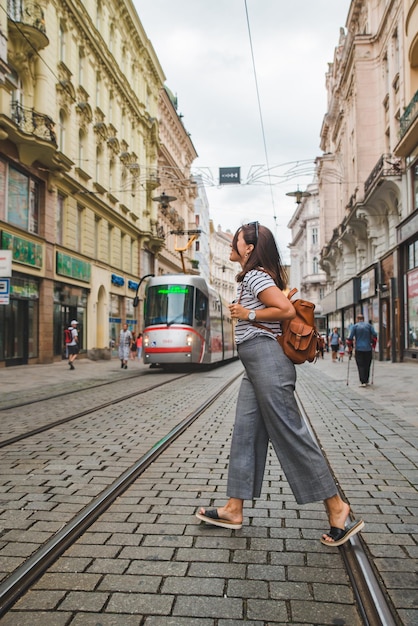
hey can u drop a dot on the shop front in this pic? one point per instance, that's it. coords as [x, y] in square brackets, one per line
[369, 301]
[408, 278]
[70, 301]
[346, 297]
[19, 321]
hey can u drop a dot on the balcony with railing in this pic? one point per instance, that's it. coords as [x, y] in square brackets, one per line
[32, 122]
[27, 24]
[386, 166]
[34, 136]
[408, 125]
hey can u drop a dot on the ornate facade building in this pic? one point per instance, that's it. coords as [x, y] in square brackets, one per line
[176, 190]
[223, 271]
[367, 176]
[306, 274]
[79, 159]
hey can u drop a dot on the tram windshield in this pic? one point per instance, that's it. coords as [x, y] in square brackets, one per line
[169, 304]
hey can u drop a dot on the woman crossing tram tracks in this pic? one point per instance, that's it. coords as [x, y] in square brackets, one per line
[266, 407]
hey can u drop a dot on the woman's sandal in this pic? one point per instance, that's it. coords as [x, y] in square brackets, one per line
[340, 536]
[210, 516]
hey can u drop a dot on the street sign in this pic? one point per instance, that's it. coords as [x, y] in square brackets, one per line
[229, 175]
[4, 290]
[5, 263]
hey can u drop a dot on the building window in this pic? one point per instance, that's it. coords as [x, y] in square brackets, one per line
[111, 38]
[81, 142]
[98, 164]
[197, 246]
[111, 107]
[61, 131]
[314, 236]
[80, 66]
[59, 219]
[110, 244]
[79, 228]
[98, 89]
[19, 198]
[99, 16]
[111, 175]
[97, 222]
[315, 266]
[61, 42]
[415, 183]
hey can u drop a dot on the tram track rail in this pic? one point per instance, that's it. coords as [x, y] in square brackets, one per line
[372, 603]
[14, 587]
[371, 600]
[68, 392]
[45, 427]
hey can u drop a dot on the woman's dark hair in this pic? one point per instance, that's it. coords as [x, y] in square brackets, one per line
[265, 254]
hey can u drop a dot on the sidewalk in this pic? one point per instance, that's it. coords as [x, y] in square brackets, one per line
[394, 384]
[41, 381]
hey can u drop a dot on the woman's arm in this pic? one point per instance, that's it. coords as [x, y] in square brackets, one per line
[278, 307]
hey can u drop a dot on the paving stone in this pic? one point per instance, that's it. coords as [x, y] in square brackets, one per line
[193, 586]
[196, 606]
[267, 610]
[325, 613]
[141, 604]
[41, 618]
[84, 601]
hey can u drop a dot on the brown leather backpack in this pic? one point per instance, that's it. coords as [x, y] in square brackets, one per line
[300, 339]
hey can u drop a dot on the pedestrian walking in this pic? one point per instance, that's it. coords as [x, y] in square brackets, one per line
[125, 339]
[334, 342]
[133, 347]
[139, 346]
[363, 338]
[73, 346]
[266, 406]
[341, 351]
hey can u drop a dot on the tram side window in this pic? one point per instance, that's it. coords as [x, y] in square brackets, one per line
[201, 311]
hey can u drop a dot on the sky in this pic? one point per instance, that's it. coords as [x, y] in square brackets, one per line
[249, 76]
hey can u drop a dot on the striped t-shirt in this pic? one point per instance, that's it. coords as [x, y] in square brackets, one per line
[254, 283]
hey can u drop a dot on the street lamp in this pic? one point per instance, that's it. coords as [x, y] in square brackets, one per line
[299, 195]
[164, 200]
[136, 299]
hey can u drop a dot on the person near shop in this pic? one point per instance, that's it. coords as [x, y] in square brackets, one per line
[73, 347]
[133, 347]
[139, 346]
[363, 339]
[124, 346]
[341, 351]
[266, 406]
[334, 342]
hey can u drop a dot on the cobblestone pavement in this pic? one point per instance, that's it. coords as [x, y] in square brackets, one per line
[149, 562]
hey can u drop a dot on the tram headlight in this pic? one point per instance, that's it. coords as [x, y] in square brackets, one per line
[145, 341]
[189, 340]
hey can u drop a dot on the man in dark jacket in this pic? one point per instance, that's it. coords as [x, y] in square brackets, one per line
[364, 337]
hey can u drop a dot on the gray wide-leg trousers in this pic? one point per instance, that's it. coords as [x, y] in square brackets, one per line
[267, 410]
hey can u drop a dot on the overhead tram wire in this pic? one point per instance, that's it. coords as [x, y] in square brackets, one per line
[260, 113]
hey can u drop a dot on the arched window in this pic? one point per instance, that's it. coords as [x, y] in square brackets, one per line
[315, 265]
